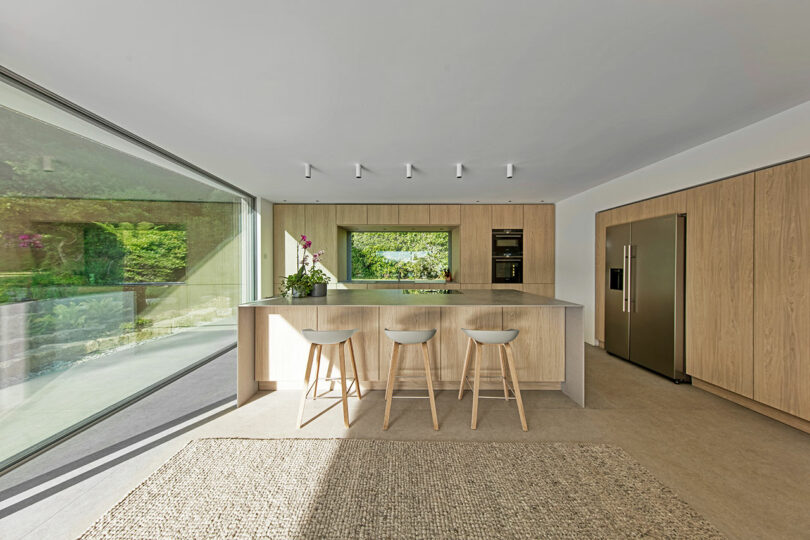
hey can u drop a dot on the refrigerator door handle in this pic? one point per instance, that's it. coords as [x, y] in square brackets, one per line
[629, 277]
[624, 277]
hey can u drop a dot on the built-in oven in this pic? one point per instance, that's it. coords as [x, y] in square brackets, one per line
[507, 270]
[507, 243]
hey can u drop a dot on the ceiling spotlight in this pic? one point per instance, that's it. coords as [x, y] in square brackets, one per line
[459, 168]
[358, 170]
[307, 170]
[408, 170]
[510, 170]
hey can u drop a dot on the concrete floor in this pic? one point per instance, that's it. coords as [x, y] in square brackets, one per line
[747, 474]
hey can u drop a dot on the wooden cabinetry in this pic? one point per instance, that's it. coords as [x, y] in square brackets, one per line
[720, 284]
[414, 214]
[507, 216]
[445, 214]
[383, 214]
[782, 288]
[351, 214]
[542, 289]
[289, 223]
[321, 227]
[281, 350]
[366, 341]
[538, 243]
[540, 346]
[476, 244]
[454, 341]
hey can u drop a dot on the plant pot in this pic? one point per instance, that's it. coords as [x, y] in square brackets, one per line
[318, 289]
[297, 293]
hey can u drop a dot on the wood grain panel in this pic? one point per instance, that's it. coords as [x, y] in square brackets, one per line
[543, 289]
[351, 214]
[410, 362]
[508, 286]
[388, 285]
[246, 384]
[475, 285]
[366, 340]
[414, 214]
[454, 341]
[540, 345]
[383, 214]
[289, 223]
[281, 351]
[476, 244]
[673, 203]
[507, 216]
[538, 243]
[445, 214]
[782, 288]
[321, 229]
[720, 284]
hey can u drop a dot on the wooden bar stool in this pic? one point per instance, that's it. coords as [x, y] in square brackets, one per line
[409, 337]
[503, 339]
[317, 339]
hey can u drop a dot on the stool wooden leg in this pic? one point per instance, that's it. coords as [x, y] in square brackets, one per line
[317, 371]
[516, 385]
[479, 354]
[426, 355]
[329, 372]
[502, 354]
[467, 357]
[389, 387]
[342, 366]
[306, 385]
[354, 369]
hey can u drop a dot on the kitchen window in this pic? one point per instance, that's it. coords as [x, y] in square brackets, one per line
[399, 255]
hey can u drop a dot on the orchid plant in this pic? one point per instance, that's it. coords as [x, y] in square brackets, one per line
[300, 283]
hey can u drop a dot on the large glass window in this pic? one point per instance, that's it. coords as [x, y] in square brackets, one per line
[117, 270]
[399, 255]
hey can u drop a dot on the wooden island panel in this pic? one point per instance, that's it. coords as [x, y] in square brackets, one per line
[410, 362]
[281, 350]
[366, 340]
[540, 346]
[454, 341]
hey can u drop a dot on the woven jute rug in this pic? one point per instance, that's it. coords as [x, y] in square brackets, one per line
[250, 488]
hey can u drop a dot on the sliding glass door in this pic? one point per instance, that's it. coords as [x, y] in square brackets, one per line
[118, 270]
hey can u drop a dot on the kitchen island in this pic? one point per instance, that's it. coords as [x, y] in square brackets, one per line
[549, 352]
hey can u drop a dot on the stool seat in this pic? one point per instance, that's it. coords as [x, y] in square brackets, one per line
[492, 337]
[410, 337]
[327, 337]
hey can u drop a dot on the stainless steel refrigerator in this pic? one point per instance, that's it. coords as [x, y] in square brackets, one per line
[644, 293]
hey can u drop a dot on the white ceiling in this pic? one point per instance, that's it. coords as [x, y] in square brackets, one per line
[574, 92]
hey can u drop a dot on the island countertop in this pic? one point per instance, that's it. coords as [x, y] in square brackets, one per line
[423, 297]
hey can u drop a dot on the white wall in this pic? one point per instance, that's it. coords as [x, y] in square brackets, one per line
[781, 137]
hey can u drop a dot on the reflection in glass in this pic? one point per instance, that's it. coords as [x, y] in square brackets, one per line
[115, 273]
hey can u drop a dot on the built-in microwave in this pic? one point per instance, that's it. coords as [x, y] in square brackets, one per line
[507, 270]
[507, 243]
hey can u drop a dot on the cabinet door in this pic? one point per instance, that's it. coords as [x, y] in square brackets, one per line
[289, 223]
[414, 214]
[445, 214]
[383, 214]
[351, 214]
[454, 341]
[540, 346]
[538, 243]
[322, 231]
[281, 350]
[542, 289]
[365, 340]
[507, 216]
[720, 284]
[782, 288]
[476, 244]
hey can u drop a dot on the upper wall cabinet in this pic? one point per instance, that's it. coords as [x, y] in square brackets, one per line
[445, 214]
[322, 231]
[538, 243]
[507, 216]
[351, 214]
[383, 214]
[414, 214]
[476, 244]
[782, 288]
[720, 284]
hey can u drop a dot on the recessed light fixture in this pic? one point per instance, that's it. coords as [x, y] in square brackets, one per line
[459, 168]
[307, 170]
[408, 170]
[358, 170]
[510, 170]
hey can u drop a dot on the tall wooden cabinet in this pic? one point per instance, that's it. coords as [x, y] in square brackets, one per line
[782, 288]
[476, 244]
[720, 284]
[538, 243]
